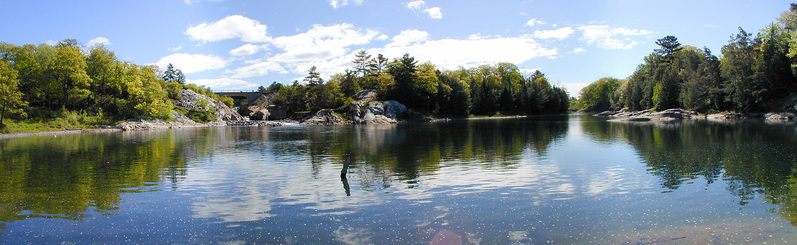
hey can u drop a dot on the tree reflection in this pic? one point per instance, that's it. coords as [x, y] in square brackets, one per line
[751, 157]
[61, 177]
[376, 153]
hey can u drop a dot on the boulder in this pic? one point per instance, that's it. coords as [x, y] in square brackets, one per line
[277, 112]
[324, 117]
[260, 114]
[375, 112]
[780, 116]
[723, 116]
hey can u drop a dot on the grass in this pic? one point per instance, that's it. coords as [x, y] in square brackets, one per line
[62, 121]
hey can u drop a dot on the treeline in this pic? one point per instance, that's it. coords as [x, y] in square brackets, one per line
[43, 82]
[483, 90]
[754, 74]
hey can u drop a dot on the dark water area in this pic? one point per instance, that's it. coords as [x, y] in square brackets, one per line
[560, 179]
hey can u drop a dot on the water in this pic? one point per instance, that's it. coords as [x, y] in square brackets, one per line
[561, 180]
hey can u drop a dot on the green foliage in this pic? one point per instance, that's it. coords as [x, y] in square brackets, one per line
[173, 75]
[597, 95]
[10, 97]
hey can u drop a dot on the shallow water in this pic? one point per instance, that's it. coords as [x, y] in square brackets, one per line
[566, 179]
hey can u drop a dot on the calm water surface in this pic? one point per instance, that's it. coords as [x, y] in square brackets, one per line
[561, 180]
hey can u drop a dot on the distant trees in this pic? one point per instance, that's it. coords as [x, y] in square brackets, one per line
[483, 90]
[755, 73]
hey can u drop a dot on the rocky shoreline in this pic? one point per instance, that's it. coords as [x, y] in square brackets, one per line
[681, 114]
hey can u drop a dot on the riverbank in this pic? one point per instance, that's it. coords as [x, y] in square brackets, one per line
[681, 114]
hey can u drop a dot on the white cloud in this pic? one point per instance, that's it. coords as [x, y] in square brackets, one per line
[434, 12]
[534, 22]
[246, 49]
[451, 53]
[258, 69]
[321, 43]
[96, 40]
[407, 37]
[192, 63]
[560, 33]
[234, 26]
[578, 50]
[341, 3]
[611, 38]
[416, 5]
[225, 84]
[175, 49]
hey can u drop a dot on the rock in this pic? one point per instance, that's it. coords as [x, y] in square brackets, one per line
[367, 95]
[727, 116]
[277, 112]
[780, 116]
[261, 114]
[189, 99]
[375, 112]
[324, 117]
[648, 115]
[255, 124]
[142, 124]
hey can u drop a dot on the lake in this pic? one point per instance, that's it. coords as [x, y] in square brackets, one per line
[558, 179]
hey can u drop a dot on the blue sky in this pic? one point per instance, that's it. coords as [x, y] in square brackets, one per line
[243, 44]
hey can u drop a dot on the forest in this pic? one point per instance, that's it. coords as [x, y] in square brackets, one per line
[755, 73]
[51, 87]
[484, 90]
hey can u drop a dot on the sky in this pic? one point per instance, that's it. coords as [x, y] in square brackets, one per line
[244, 44]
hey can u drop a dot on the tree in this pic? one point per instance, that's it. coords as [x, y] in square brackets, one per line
[597, 95]
[348, 81]
[737, 72]
[100, 65]
[378, 65]
[361, 62]
[669, 45]
[313, 77]
[10, 96]
[69, 71]
[173, 75]
[403, 72]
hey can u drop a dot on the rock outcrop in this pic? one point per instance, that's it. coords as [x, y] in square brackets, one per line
[325, 117]
[648, 115]
[780, 116]
[362, 111]
[729, 116]
[259, 108]
[192, 100]
[375, 112]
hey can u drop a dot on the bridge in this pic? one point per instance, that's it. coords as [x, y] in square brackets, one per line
[249, 96]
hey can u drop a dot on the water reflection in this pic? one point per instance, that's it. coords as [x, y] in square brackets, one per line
[560, 179]
[750, 157]
[63, 176]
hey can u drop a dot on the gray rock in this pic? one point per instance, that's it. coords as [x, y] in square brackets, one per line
[189, 99]
[324, 117]
[781, 116]
[277, 112]
[368, 94]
